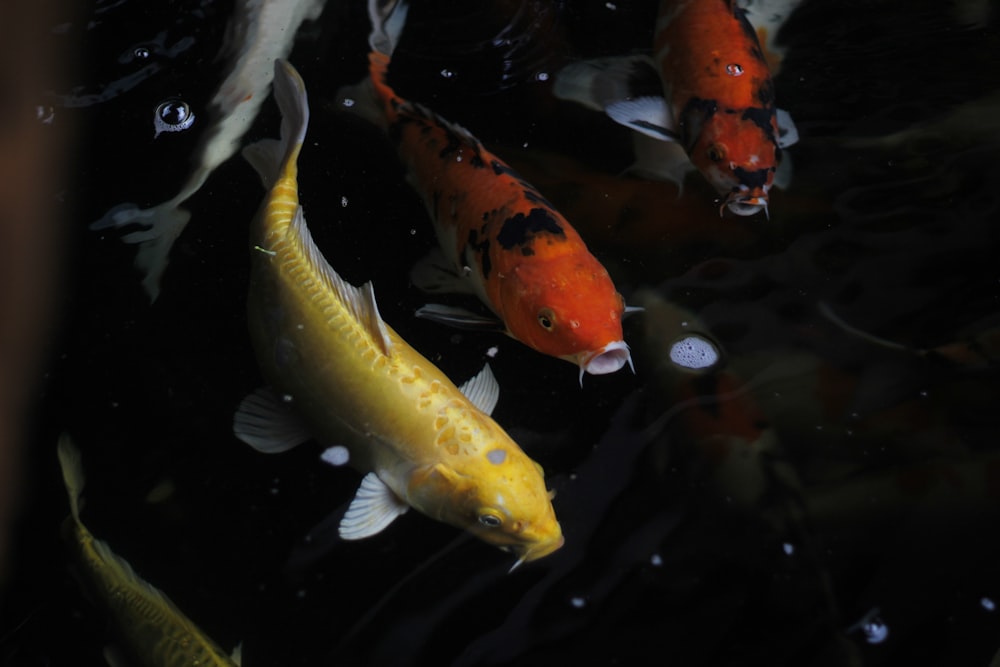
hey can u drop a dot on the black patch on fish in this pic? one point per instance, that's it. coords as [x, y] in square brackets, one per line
[456, 142]
[527, 251]
[482, 248]
[500, 168]
[756, 178]
[530, 193]
[693, 117]
[762, 119]
[453, 143]
[748, 29]
[519, 229]
[765, 93]
[534, 196]
[396, 129]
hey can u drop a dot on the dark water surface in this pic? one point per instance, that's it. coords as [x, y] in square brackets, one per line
[820, 499]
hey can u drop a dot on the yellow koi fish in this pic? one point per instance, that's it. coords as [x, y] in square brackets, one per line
[344, 376]
[154, 631]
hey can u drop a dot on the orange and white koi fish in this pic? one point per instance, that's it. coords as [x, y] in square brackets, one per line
[718, 102]
[344, 376]
[501, 239]
[258, 32]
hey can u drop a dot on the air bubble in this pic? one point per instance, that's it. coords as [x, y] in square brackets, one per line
[872, 626]
[141, 52]
[988, 604]
[578, 602]
[734, 69]
[336, 455]
[172, 116]
[694, 352]
[447, 73]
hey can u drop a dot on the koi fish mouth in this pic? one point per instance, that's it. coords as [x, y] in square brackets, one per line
[608, 360]
[745, 204]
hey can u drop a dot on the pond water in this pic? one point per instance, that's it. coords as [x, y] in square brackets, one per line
[828, 494]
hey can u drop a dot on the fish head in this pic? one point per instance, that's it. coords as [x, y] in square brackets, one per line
[737, 152]
[567, 307]
[498, 495]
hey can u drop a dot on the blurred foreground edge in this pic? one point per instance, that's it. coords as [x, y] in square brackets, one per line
[31, 168]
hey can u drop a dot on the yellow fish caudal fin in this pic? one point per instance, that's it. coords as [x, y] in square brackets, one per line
[338, 373]
[151, 627]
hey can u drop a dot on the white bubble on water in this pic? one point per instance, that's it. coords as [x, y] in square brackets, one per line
[172, 115]
[694, 352]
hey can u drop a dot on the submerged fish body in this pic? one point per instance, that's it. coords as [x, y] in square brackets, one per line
[350, 380]
[154, 631]
[501, 239]
[258, 32]
[718, 102]
[721, 421]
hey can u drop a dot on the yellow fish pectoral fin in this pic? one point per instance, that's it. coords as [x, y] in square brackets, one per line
[374, 507]
[265, 423]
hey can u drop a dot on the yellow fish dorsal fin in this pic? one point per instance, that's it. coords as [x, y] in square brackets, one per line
[359, 301]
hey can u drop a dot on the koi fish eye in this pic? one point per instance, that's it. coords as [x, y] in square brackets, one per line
[490, 520]
[547, 319]
[716, 153]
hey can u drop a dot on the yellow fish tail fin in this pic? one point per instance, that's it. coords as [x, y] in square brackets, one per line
[72, 472]
[275, 159]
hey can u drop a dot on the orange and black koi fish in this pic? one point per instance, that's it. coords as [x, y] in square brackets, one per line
[718, 101]
[501, 239]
